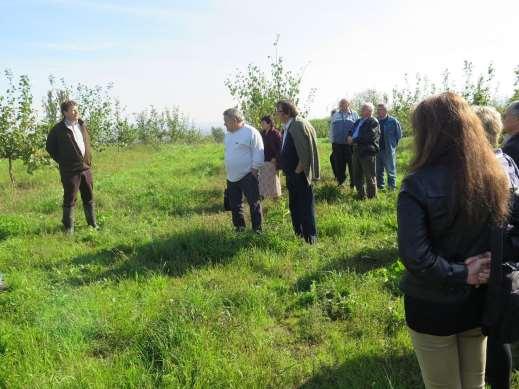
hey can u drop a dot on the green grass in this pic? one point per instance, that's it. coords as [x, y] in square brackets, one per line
[167, 295]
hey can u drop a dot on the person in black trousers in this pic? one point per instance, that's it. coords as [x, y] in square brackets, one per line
[341, 123]
[68, 143]
[300, 163]
[364, 136]
[499, 355]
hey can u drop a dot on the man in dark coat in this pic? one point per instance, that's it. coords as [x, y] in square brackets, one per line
[68, 144]
[511, 128]
[365, 137]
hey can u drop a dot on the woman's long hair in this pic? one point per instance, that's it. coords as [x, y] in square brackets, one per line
[448, 133]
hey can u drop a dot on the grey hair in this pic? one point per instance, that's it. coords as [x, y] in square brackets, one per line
[513, 109]
[369, 105]
[234, 113]
[491, 120]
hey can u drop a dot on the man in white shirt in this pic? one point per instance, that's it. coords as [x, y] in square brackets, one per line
[68, 144]
[244, 155]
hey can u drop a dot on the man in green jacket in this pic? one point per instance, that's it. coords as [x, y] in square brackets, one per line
[300, 162]
[68, 144]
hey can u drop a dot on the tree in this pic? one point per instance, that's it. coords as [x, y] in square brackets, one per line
[257, 92]
[479, 92]
[19, 137]
[218, 134]
[100, 110]
[515, 96]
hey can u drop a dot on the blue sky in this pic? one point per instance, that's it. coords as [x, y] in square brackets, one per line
[180, 52]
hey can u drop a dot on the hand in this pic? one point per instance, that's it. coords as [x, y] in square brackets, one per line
[478, 269]
[349, 140]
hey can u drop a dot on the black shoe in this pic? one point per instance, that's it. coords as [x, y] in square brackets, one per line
[239, 229]
[311, 239]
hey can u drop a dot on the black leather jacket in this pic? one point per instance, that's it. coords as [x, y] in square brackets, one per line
[368, 137]
[434, 242]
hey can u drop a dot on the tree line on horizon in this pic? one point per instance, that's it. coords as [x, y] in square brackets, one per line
[23, 129]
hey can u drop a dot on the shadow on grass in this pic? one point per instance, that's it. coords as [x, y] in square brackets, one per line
[174, 256]
[394, 371]
[360, 263]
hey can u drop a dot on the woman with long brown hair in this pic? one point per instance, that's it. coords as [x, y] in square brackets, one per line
[456, 191]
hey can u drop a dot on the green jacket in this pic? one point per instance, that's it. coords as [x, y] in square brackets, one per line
[305, 141]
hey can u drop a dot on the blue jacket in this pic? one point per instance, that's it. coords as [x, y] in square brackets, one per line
[340, 126]
[390, 133]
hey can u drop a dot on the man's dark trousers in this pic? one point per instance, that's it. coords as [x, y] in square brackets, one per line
[365, 174]
[249, 187]
[302, 206]
[77, 181]
[342, 158]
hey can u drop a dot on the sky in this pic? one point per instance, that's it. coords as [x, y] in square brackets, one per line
[179, 53]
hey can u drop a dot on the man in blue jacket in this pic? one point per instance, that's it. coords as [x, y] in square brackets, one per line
[342, 122]
[390, 135]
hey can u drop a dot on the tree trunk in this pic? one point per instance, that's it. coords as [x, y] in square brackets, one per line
[11, 175]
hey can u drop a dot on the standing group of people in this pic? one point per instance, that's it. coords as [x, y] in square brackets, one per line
[462, 190]
[364, 147]
[252, 161]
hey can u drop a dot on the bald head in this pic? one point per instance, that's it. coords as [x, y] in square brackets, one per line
[344, 105]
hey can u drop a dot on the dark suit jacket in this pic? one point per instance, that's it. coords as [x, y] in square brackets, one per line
[64, 150]
[511, 148]
[369, 136]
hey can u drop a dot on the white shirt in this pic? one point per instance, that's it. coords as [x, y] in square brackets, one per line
[285, 130]
[243, 152]
[78, 135]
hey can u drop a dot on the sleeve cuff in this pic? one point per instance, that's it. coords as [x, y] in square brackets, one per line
[457, 274]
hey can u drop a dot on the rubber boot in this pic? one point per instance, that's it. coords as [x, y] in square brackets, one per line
[90, 215]
[68, 220]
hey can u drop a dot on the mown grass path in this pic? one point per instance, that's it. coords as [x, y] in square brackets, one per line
[167, 295]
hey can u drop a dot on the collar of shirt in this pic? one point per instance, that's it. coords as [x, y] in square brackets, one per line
[357, 128]
[71, 125]
[285, 128]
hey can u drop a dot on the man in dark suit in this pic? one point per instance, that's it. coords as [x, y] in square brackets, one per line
[365, 137]
[511, 127]
[68, 144]
[300, 162]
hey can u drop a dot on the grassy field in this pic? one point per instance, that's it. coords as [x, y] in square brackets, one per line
[166, 294]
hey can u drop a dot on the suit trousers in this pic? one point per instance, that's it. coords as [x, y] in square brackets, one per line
[301, 203]
[364, 174]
